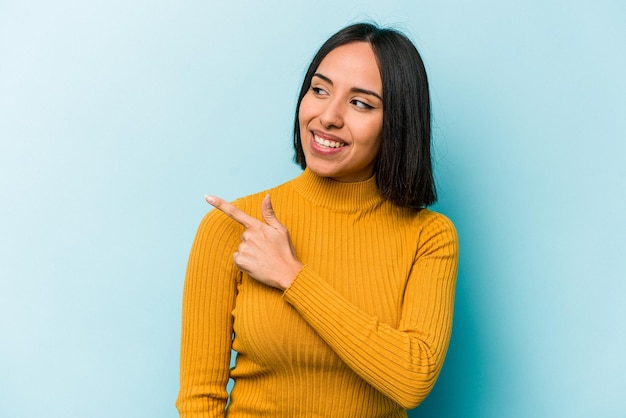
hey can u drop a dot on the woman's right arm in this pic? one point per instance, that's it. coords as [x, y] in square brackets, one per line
[208, 300]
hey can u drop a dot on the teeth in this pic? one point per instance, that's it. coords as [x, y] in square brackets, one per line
[326, 143]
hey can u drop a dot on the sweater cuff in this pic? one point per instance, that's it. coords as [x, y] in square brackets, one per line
[314, 298]
[305, 289]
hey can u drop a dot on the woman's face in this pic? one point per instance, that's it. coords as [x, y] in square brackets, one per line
[341, 116]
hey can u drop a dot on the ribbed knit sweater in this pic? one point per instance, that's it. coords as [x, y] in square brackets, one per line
[361, 332]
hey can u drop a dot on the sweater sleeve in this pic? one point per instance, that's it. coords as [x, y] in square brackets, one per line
[402, 362]
[208, 300]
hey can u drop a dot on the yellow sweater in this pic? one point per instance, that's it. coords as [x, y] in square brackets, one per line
[361, 332]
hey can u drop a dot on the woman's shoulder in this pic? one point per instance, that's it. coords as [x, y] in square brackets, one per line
[420, 218]
[427, 223]
[435, 226]
[250, 204]
[430, 217]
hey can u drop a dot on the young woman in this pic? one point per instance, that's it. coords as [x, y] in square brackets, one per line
[335, 289]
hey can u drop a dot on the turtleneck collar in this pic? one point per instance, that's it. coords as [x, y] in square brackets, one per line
[331, 194]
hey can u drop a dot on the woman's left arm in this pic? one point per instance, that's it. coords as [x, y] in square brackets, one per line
[402, 362]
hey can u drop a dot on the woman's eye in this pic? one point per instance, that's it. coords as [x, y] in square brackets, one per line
[318, 90]
[361, 105]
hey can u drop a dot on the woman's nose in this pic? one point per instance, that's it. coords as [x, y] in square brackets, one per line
[332, 114]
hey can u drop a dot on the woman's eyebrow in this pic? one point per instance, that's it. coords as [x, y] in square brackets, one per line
[353, 89]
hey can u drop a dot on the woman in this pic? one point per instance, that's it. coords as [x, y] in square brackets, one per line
[337, 293]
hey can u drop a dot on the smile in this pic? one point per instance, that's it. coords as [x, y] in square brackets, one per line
[326, 143]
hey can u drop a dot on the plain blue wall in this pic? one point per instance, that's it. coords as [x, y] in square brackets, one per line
[116, 117]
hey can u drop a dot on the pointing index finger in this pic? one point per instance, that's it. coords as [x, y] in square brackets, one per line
[231, 211]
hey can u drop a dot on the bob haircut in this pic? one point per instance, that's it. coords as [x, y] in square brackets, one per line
[403, 168]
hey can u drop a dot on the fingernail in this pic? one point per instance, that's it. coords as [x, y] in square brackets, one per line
[209, 199]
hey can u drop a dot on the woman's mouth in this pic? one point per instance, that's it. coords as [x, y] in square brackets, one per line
[327, 143]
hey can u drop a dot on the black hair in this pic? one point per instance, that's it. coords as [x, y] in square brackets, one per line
[403, 168]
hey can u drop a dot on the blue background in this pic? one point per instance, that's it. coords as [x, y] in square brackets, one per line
[116, 117]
